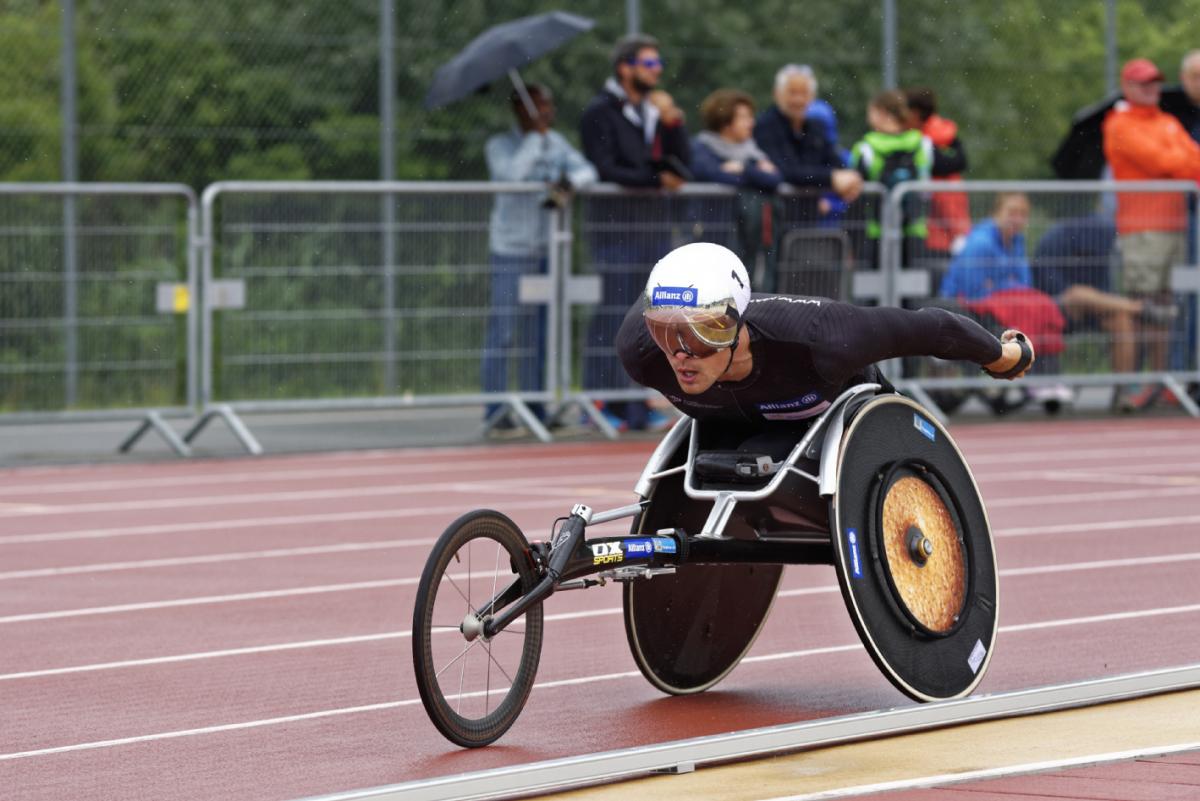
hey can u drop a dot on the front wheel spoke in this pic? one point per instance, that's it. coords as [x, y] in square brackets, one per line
[461, 676]
[499, 667]
[487, 684]
[470, 645]
[458, 589]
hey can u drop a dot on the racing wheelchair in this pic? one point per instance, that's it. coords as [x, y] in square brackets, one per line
[875, 486]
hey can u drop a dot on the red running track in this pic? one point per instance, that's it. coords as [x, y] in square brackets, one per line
[240, 629]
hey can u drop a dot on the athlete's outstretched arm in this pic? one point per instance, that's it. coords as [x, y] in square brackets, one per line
[855, 336]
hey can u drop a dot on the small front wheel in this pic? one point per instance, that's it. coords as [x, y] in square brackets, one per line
[474, 686]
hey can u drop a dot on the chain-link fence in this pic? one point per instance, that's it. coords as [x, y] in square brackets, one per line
[96, 290]
[356, 293]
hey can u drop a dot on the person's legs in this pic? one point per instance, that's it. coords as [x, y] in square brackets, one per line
[498, 335]
[1146, 261]
[529, 340]
[1116, 314]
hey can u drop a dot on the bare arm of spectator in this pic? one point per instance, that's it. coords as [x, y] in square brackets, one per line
[847, 184]
[580, 171]
[674, 139]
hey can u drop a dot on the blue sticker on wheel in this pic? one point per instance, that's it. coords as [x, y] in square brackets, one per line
[924, 426]
[855, 562]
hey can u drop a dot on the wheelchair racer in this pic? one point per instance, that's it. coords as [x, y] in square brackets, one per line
[718, 352]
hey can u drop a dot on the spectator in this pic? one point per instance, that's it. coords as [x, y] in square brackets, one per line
[634, 134]
[991, 276]
[799, 147]
[725, 152]
[1184, 103]
[1142, 142]
[949, 219]
[518, 242]
[1072, 264]
[832, 207]
[892, 152]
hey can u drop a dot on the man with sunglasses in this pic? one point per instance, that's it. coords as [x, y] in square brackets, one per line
[635, 137]
[718, 352]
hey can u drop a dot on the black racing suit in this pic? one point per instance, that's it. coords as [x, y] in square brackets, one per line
[806, 352]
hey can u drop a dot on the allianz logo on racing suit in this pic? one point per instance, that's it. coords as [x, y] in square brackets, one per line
[806, 405]
[673, 295]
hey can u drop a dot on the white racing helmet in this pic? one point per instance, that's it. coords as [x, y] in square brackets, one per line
[695, 299]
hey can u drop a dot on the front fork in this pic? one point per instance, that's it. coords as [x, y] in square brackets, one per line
[571, 557]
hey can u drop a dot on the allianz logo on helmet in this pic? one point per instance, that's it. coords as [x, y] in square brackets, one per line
[673, 296]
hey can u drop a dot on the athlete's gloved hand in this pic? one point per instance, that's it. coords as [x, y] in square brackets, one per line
[1015, 359]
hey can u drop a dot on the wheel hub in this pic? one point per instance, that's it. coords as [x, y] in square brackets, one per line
[471, 626]
[923, 554]
[920, 547]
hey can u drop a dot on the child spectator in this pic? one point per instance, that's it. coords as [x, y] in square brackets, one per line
[890, 153]
[949, 212]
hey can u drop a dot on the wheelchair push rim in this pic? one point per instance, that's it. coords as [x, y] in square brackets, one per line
[913, 551]
[473, 687]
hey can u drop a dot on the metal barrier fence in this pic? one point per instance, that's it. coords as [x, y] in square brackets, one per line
[1102, 275]
[367, 294]
[353, 294]
[97, 311]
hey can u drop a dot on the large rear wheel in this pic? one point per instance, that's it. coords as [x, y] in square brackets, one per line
[474, 686]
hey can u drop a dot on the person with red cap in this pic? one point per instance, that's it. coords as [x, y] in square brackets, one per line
[1144, 143]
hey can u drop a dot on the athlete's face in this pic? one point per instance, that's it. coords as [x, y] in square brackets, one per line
[697, 374]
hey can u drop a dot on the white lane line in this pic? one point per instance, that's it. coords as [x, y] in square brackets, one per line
[537, 484]
[938, 780]
[1088, 497]
[1016, 454]
[972, 443]
[340, 548]
[400, 582]
[209, 599]
[355, 546]
[1129, 473]
[251, 650]
[326, 713]
[615, 610]
[214, 558]
[241, 478]
[22, 509]
[454, 509]
[1097, 526]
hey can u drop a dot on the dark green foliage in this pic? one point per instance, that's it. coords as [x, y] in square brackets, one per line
[222, 89]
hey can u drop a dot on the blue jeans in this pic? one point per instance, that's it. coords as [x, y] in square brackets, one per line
[516, 333]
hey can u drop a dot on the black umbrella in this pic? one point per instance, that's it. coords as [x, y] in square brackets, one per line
[499, 51]
[1081, 153]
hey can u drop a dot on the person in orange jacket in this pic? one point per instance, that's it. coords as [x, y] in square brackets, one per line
[949, 212]
[1143, 143]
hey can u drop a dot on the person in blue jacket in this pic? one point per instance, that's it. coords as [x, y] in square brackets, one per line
[993, 257]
